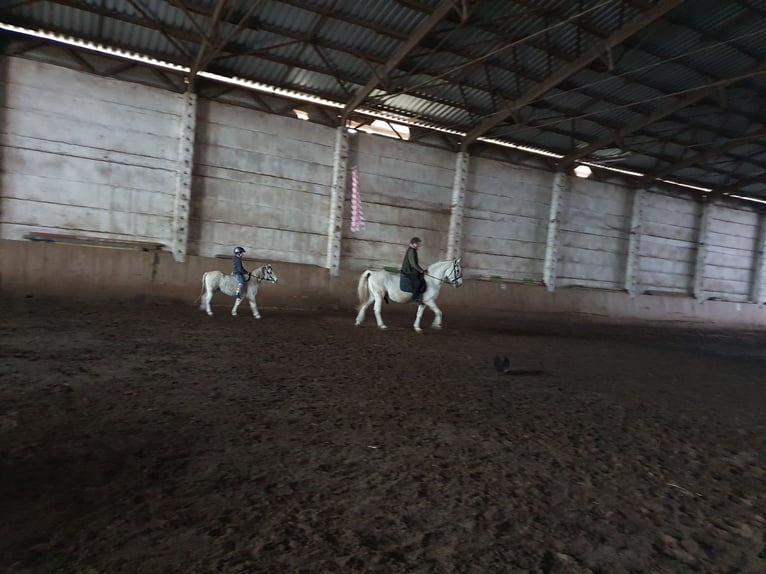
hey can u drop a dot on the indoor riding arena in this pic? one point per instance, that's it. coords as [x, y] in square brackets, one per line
[583, 389]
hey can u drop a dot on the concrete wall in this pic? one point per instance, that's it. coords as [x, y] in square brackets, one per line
[593, 243]
[505, 221]
[85, 154]
[405, 191]
[669, 234]
[261, 181]
[731, 251]
[98, 158]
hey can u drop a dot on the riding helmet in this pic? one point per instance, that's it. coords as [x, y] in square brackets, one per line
[238, 250]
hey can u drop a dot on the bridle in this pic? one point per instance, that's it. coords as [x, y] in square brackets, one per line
[258, 278]
[457, 274]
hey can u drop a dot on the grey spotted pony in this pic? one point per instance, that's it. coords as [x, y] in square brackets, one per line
[214, 281]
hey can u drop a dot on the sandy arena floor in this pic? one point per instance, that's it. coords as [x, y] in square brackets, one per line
[149, 438]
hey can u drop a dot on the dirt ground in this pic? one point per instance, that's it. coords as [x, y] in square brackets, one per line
[145, 437]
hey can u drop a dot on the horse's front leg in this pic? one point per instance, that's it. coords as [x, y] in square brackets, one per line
[418, 317]
[206, 302]
[254, 307]
[437, 322]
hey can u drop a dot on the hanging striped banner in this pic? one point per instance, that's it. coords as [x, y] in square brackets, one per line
[357, 215]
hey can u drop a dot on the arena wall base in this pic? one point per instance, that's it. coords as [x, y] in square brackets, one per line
[37, 269]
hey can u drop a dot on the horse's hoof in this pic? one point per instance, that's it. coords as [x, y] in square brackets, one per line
[257, 316]
[419, 331]
[436, 326]
[210, 314]
[382, 327]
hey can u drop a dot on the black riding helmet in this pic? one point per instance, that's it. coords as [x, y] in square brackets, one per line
[238, 250]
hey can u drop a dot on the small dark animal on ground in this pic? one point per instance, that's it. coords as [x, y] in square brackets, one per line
[503, 367]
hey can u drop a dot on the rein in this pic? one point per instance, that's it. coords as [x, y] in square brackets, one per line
[249, 275]
[260, 276]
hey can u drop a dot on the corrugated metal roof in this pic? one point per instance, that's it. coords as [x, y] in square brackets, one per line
[477, 62]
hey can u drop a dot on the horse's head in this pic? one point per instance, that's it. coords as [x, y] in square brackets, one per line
[448, 271]
[455, 275]
[267, 274]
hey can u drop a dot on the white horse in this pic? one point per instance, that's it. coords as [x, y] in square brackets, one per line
[381, 285]
[214, 281]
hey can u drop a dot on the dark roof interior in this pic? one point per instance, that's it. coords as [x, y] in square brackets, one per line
[670, 89]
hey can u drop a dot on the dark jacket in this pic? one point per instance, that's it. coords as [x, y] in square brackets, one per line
[410, 265]
[238, 266]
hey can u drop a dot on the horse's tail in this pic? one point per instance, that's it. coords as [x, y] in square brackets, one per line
[362, 289]
[202, 303]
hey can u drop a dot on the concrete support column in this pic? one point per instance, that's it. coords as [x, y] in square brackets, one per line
[454, 239]
[337, 198]
[188, 126]
[632, 283]
[702, 250]
[560, 186]
[757, 290]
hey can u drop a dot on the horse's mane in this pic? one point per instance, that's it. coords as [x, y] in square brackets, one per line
[259, 273]
[439, 264]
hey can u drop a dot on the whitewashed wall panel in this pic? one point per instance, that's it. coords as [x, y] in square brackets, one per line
[670, 230]
[731, 241]
[260, 181]
[406, 190]
[594, 231]
[85, 155]
[505, 220]
[97, 157]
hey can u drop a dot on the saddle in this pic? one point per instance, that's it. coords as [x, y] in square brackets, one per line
[405, 284]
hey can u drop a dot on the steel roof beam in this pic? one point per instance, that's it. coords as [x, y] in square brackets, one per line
[18, 4]
[17, 48]
[192, 7]
[425, 27]
[331, 46]
[740, 183]
[659, 158]
[705, 156]
[659, 114]
[367, 24]
[572, 68]
[203, 55]
[145, 22]
[184, 36]
[190, 36]
[516, 70]
[149, 15]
